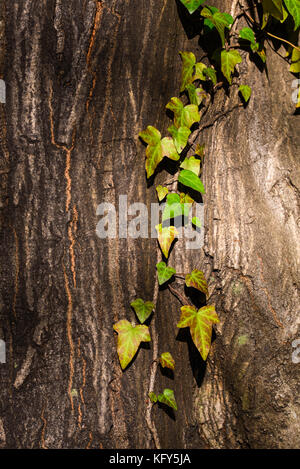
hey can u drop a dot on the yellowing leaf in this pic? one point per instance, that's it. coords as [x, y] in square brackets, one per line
[161, 192]
[200, 323]
[188, 63]
[196, 95]
[157, 148]
[218, 19]
[192, 164]
[184, 116]
[180, 136]
[229, 59]
[129, 339]
[197, 280]
[295, 66]
[167, 361]
[168, 398]
[142, 309]
[166, 237]
[199, 67]
[186, 198]
[153, 397]
[164, 273]
[274, 8]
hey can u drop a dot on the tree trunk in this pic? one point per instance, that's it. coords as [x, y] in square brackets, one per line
[83, 78]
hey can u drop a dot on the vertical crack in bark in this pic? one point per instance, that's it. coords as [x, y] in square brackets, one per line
[69, 335]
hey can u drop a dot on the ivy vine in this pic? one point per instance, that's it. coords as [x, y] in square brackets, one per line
[199, 82]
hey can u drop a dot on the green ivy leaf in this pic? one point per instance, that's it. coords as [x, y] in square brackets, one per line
[229, 59]
[173, 208]
[274, 8]
[157, 148]
[210, 74]
[189, 179]
[293, 7]
[245, 91]
[166, 237]
[167, 361]
[197, 280]
[192, 5]
[295, 66]
[161, 192]
[164, 273]
[180, 136]
[200, 323]
[248, 35]
[129, 339]
[199, 67]
[153, 397]
[196, 95]
[188, 63]
[196, 222]
[192, 164]
[168, 398]
[142, 309]
[218, 19]
[184, 116]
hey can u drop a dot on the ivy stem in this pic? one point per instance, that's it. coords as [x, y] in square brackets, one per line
[283, 40]
[183, 300]
[153, 371]
[179, 275]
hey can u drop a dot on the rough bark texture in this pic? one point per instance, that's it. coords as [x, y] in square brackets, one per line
[83, 78]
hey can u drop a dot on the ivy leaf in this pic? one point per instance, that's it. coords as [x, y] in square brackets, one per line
[166, 237]
[199, 67]
[274, 8]
[142, 309]
[161, 192]
[168, 398]
[153, 397]
[180, 136]
[164, 273]
[186, 198]
[188, 63]
[196, 95]
[229, 59]
[200, 323]
[295, 66]
[196, 222]
[173, 207]
[293, 7]
[248, 35]
[167, 361]
[192, 5]
[210, 74]
[200, 150]
[129, 339]
[245, 91]
[192, 164]
[197, 280]
[157, 148]
[184, 116]
[189, 179]
[218, 19]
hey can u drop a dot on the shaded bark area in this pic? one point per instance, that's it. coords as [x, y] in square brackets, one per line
[83, 78]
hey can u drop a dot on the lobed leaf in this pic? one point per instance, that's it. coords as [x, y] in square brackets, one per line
[210, 74]
[184, 116]
[166, 237]
[197, 280]
[191, 164]
[129, 339]
[168, 398]
[199, 67]
[218, 19]
[200, 323]
[196, 95]
[192, 5]
[180, 136]
[229, 59]
[164, 273]
[157, 148]
[153, 397]
[142, 309]
[196, 222]
[189, 179]
[167, 361]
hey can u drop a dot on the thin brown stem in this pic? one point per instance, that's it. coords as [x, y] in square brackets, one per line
[183, 299]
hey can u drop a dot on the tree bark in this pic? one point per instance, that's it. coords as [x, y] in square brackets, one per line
[83, 78]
